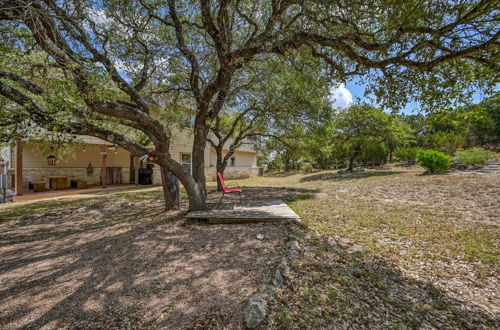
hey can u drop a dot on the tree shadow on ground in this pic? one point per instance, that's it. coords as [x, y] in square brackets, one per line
[337, 285]
[90, 269]
[344, 176]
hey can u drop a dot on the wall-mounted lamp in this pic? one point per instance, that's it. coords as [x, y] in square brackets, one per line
[51, 160]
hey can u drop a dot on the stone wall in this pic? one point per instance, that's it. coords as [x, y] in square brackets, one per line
[156, 178]
[35, 174]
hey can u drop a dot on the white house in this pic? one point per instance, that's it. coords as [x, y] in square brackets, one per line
[95, 162]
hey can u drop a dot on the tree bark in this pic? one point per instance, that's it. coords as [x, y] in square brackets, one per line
[171, 193]
[199, 145]
[196, 193]
[220, 166]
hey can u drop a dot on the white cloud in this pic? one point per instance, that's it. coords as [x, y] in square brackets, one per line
[341, 97]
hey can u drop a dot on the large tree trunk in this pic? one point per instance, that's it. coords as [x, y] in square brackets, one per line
[199, 145]
[171, 193]
[195, 191]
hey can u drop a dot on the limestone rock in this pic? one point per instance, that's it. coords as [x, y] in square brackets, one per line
[256, 311]
[267, 291]
[283, 268]
[278, 279]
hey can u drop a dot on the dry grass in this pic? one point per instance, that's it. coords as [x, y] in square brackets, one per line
[380, 250]
[396, 249]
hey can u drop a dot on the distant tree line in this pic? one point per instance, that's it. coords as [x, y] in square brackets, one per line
[366, 134]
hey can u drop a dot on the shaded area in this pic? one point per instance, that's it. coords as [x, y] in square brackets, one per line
[40, 206]
[120, 264]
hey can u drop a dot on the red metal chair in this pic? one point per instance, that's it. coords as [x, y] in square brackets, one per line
[228, 189]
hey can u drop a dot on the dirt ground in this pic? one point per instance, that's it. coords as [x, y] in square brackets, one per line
[121, 264]
[379, 249]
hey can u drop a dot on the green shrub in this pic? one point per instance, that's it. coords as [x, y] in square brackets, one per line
[405, 153]
[306, 167]
[434, 161]
[474, 156]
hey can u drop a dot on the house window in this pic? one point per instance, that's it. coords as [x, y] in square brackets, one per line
[186, 161]
[233, 161]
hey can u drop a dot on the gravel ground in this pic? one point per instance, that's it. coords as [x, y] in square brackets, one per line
[119, 264]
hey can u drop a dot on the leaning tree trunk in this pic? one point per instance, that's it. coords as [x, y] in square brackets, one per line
[196, 193]
[171, 193]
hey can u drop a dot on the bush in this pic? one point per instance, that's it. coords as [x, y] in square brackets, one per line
[405, 153]
[434, 161]
[306, 167]
[474, 156]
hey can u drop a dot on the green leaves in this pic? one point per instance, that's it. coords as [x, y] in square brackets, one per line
[434, 161]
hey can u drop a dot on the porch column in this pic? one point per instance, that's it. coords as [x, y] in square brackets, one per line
[136, 171]
[19, 168]
[103, 170]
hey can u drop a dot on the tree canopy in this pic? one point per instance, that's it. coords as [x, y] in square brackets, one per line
[96, 67]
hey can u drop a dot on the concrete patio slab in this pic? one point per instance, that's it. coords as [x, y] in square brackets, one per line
[265, 210]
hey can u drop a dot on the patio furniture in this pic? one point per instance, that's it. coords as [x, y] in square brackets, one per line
[38, 186]
[58, 182]
[79, 184]
[227, 189]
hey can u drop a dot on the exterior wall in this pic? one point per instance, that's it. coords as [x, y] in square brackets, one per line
[156, 178]
[33, 159]
[245, 166]
[242, 159]
[35, 165]
[232, 173]
[38, 174]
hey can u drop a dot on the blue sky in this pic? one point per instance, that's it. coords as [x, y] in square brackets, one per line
[354, 91]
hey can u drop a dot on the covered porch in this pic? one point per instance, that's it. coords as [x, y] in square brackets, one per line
[93, 165]
[31, 195]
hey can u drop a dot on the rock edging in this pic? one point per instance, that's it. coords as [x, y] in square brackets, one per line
[256, 310]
